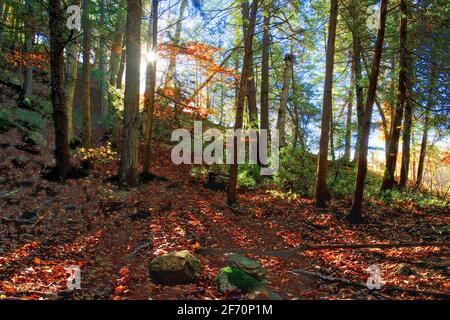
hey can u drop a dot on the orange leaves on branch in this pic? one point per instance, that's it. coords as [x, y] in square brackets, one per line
[34, 59]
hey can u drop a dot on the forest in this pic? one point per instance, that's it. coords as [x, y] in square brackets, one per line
[224, 150]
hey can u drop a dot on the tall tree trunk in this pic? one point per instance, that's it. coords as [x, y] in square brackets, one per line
[355, 215]
[407, 128]
[232, 181]
[29, 35]
[265, 67]
[115, 64]
[71, 78]
[251, 85]
[58, 98]
[359, 88]
[332, 149]
[150, 84]
[128, 175]
[169, 82]
[348, 125]
[123, 56]
[2, 8]
[86, 132]
[406, 146]
[102, 60]
[281, 121]
[116, 50]
[402, 100]
[322, 166]
[426, 127]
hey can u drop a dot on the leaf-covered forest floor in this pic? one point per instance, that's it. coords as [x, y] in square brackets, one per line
[113, 234]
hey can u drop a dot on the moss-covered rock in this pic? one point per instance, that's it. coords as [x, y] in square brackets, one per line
[176, 268]
[251, 267]
[232, 279]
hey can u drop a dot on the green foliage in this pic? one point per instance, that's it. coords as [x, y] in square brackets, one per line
[29, 119]
[6, 119]
[249, 176]
[41, 105]
[297, 171]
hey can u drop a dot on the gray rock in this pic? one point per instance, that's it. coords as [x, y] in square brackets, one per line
[175, 268]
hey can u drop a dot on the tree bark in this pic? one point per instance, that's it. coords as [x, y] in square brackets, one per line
[406, 146]
[281, 121]
[116, 50]
[71, 78]
[123, 56]
[86, 132]
[29, 35]
[355, 215]
[359, 88]
[265, 67]
[169, 82]
[232, 181]
[322, 166]
[128, 175]
[2, 7]
[402, 100]
[58, 98]
[150, 85]
[348, 125]
[426, 127]
[102, 60]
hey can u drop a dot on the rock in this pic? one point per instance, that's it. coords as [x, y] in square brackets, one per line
[176, 268]
[251, 267]
[233, 279]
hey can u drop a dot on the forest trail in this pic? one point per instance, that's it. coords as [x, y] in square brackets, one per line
[114, 235]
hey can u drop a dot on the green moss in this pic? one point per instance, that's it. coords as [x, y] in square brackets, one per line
[240, 279]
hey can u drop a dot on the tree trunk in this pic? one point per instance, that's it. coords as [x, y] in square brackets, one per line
[71, 78]
[265, 68]
[86, 132]
[322, 167]
[29, 35]
[116, 50]
[348, 125]
[2, 7]
[150, 85]
[402, 100]
[102, 60]
[281, 121]
[426, 127]
[58, 98]
[169, 82]
[232, 181]
[129, 156]
[123, 56]
[355, 215]
[115, 60]
[406, 146]
[359, 88]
